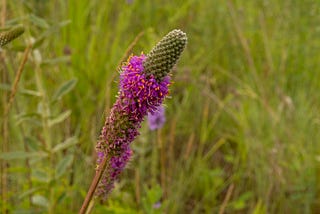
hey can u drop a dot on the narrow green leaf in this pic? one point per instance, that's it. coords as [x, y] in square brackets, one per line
[30, 92]
[55, 61]
[61, 117]
[53, 29]
[39, 21]
[64, 89]
[63, 165]
[21, 155]
[29, 192]
[32, 143]
[33, 117]
[62, 198]
[40, 201]
[40, 176]
[5, 87]
[67, 143]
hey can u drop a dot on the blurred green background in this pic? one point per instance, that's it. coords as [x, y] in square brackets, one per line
[242, 131]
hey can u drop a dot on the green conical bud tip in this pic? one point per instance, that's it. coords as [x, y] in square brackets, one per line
[165, 54]
[10, 35]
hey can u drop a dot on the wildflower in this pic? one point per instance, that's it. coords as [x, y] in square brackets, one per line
[156, 119]
[142, 89]
[157, 205]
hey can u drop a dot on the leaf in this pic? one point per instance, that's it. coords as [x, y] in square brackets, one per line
[63, 165]
[32, 143]
[29, 192]
[40, 201]
[22, 155]
[40, 176]
[30, 92]
[241, 201]
[39, 21]
[64, 89]
[67, 143]
[53, 29]
[55, 61]
[32, 117]
[259, 208]
[61, 117]
[7, 87]
[62, 198]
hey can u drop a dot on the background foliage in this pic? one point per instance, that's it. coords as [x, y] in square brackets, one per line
[242, 130]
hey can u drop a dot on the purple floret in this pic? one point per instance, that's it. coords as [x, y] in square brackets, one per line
[157, 118]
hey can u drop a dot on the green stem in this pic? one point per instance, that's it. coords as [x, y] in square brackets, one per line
[45, 114]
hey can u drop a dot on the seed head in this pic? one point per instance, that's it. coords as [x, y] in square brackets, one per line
[165, 54]
[10, 35]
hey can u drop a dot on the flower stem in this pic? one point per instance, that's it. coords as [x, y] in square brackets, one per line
[93, 185]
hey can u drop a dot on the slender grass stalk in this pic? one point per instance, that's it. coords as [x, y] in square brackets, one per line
[137, 184]
[163, 161]
[4, 147]
[14, 88]
[45, 114]
[4, 39]
[3, 12]
[154, 160]
[226, 199]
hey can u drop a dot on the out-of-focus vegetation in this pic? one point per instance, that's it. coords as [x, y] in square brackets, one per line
[242, 132]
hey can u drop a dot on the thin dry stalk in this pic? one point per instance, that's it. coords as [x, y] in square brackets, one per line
[226, 199]
[172, 135]
[17, 79]
[189, 147]
[137, 186]
[7, 107]
[243, 41]
[3, 13]
[4, 125]
[163, 158]
[123, 58]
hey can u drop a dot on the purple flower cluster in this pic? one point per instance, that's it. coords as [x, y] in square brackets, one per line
[138, 92]
[138, 95]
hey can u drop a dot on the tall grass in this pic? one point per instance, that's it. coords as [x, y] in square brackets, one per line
[242, 131]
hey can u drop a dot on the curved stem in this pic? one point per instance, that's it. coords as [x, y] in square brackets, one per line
[93, 185]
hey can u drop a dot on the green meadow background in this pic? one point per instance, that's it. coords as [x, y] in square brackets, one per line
[242, 131]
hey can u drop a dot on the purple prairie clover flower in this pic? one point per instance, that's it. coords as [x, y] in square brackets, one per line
[143, 85]
[157, 118]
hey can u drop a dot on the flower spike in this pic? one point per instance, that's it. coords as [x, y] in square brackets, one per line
[10, 35]
[143, 86]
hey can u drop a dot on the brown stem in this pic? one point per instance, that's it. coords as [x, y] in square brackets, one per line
[7, 108]
[14, 87]
[93, 185]
[4, 148]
